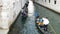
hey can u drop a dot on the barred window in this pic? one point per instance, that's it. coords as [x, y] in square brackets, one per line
[55, 2]
[45, 0]
[49, 1]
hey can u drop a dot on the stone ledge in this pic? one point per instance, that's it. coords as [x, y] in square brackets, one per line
[2, 28]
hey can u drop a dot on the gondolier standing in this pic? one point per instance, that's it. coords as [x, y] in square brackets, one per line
[45, 22]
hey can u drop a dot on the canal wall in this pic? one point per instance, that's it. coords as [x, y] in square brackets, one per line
[9, 10]
[51, 4]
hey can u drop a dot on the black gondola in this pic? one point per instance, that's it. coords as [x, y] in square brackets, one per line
[41, 29]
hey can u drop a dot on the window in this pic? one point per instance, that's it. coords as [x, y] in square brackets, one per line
[45, 0]
[49, 1]
[55, 2]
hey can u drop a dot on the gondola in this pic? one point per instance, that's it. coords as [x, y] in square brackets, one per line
[42, 29]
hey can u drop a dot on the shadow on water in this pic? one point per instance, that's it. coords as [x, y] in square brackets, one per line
[13, 28]
[23, 26]
[17, 25]
[23, 19]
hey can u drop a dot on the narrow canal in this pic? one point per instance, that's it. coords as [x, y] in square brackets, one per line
[53, 17]
[24, 26]
[27, 26]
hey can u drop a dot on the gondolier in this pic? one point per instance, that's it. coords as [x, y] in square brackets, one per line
[45, 22]
[42, 24]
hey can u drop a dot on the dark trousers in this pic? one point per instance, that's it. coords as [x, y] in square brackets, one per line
[41, 26]
[45, 27]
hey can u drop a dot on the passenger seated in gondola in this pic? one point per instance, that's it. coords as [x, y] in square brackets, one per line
[43, 23]
[24, 13]
[37, 19]
[25, 10]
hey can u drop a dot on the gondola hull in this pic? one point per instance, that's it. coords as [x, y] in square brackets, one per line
[42, 30]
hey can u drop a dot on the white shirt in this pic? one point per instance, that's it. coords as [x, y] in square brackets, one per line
[45, 21]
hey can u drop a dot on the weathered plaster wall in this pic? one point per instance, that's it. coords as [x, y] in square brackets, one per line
[9, 9]
[50, 4]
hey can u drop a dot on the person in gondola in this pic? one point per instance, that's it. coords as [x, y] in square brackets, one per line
[41, 22]
[37, 19]
[26, 5]
[46, 23]
[24, 11]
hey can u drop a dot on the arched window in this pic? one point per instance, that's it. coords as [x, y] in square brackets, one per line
[54, 1]
[45, 0]
[49, 1]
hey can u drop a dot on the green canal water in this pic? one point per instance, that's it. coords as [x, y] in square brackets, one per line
[28, 26]
[53, 17]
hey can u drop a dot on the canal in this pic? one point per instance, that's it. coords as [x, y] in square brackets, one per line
[27, 26]
[53, 17]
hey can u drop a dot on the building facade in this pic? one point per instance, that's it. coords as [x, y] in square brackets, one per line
[52, 4]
